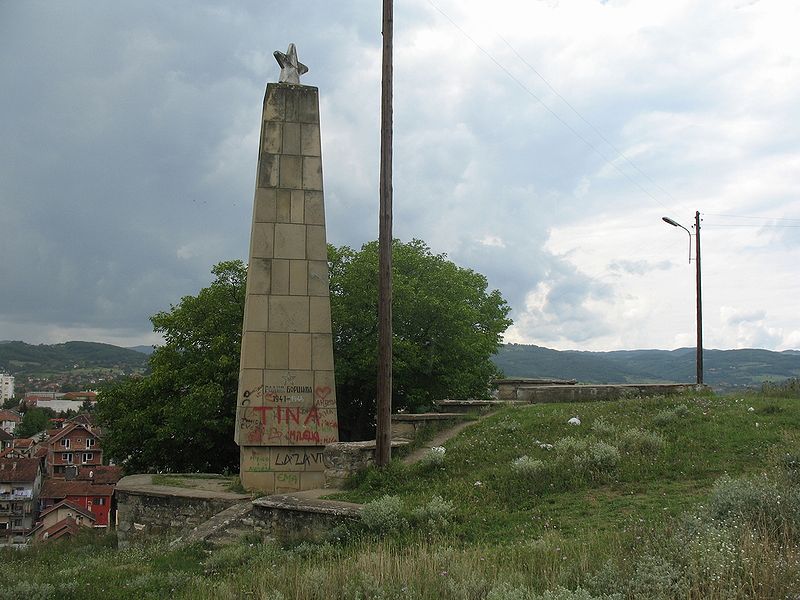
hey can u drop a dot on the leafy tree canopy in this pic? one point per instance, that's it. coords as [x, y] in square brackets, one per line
[34, 421]
[181, 417]
[447, 325]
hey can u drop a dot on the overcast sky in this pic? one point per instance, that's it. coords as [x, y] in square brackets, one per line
[537, 142]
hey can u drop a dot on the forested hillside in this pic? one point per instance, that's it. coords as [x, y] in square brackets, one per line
[724, 369]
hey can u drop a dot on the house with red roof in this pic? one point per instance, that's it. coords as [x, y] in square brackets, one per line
[20, 484]
[61, 520]
[9, 419]
[85, 494]
[76, 444]
[6, 440]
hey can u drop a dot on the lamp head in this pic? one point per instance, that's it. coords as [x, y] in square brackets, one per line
[670, 221]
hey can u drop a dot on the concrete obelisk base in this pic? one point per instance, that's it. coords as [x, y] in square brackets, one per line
[286, 406]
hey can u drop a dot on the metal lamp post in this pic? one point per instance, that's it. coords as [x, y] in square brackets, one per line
[674, 223]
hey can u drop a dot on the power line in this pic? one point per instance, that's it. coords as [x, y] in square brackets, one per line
[551, 111]
[752, 226]
[761, 218]
[585, 120]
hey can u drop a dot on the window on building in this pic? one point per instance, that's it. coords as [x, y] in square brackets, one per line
[65, 442]
[89, 442]
[67, 457]
[87, 456]
[99, 501]
[16, 524]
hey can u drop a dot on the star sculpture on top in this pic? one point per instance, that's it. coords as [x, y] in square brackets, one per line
[291, 68]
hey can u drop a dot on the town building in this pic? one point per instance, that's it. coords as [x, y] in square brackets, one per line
[6, 387]
[9, 419]
[62, 520]
[76, 444]
[85, 494]
[20, 484]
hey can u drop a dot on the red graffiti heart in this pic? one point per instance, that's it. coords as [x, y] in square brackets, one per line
[323, 392]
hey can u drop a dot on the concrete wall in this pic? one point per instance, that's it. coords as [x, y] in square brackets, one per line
[588, 393]
[143, 514]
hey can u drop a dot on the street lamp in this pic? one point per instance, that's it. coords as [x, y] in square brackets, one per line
[674, 223]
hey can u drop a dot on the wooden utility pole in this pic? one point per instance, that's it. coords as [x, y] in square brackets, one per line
[383, 450]
[699, 360]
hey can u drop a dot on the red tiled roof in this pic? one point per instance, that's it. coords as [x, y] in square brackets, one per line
[66, 526]
[83, 418]
[23, 443]
[101, 474]
[9, 415]
[60, 488]
[65, 504]
[76, 395]
[22, 470]
[5, 436]
[67, 429]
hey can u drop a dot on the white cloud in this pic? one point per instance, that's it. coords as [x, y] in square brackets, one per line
[129, 162]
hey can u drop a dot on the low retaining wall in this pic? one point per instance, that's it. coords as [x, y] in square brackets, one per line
[507, 388]
[288, 518]
[145, 510]
[589, 393]
[408, 426]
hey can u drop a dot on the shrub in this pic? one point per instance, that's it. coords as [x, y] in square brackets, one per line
[598, 459]
[755, 502]
[528, 467]
[681, 411]
[507, 424]
[562, 593]
[569, 446]
[433, 458]
[789, 464]
[657, 578]
[664, 418]
[29, 591]
[435, 514]
[228, 558]
[640, 440]
[603, 427]
[384, 515]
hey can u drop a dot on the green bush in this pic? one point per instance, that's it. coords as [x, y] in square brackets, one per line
[433, 458]
[640, 440]
[598, 459]
[757, 503]
[603, 427]
[435, 514]
[526, 466]
[384, 515]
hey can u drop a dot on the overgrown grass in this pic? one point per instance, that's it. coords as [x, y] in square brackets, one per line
[693, 497]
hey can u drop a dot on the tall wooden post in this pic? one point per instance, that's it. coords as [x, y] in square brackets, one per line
[383, 451]
[699, 360]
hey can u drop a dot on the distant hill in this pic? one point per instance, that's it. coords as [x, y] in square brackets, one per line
[148, 350]
[19, 358]
[723, 369]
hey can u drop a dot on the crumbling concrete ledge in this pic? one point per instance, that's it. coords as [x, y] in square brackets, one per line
[287, 517]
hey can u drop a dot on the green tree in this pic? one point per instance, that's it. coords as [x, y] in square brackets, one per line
[181, 416]
[34, 421]
[446, 327]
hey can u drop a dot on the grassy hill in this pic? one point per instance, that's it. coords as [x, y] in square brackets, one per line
[19, 358]
[723, 369]
[693, 497]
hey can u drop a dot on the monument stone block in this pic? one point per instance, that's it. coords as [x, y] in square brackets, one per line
[286, 411]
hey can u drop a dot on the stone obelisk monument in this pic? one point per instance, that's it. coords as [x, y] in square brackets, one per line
[286, 407]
